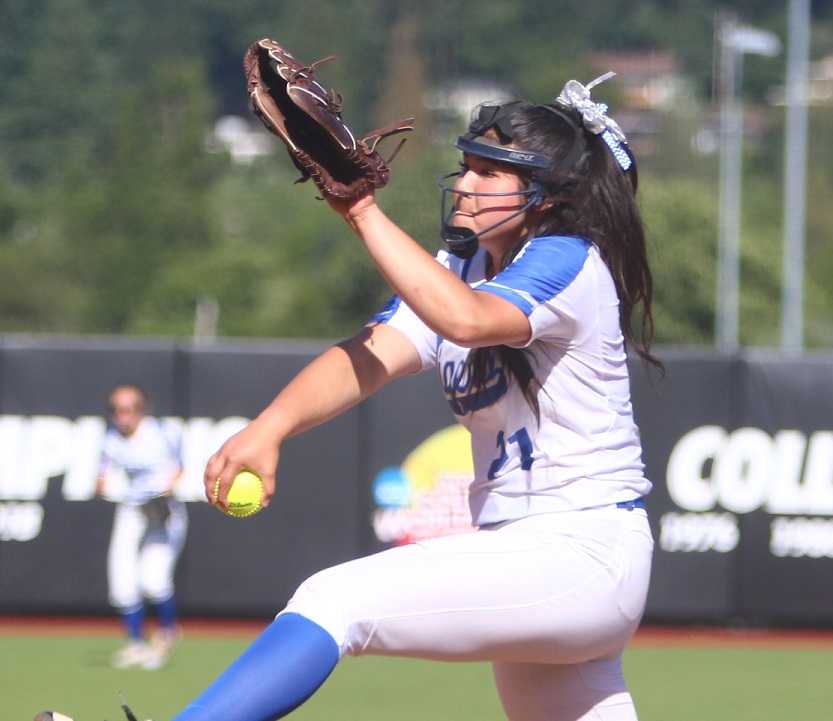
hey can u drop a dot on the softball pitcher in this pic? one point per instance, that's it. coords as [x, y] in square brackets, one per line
[526, 319]
[140, 463]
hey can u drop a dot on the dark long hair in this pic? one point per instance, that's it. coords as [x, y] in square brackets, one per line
[595, 200]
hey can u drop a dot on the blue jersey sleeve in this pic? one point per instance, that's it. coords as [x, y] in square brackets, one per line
[538, 280]
[545, 268]
[397, 314]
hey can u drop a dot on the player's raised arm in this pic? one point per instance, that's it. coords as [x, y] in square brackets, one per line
[347, 168]
[440, 298]
[335, 381]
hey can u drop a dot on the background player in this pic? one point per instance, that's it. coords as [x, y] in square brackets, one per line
[528, 332]
[141, 459]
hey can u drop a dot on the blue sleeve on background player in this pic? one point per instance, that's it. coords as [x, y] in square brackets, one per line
[105, 460]
[173, 438]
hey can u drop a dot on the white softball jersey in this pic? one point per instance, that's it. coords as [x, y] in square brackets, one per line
[149, 459]
[148, 531]
[585, 452]
[553, 582]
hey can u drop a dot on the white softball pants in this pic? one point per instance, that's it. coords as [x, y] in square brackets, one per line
[551, 600]
[144, 545]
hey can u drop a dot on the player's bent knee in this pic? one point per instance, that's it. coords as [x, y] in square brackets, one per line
[157, 590]
[159, 595]
[317, 599]
[125, 598]
[589, 691]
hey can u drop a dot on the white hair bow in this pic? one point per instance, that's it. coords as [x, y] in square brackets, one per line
[594, 116]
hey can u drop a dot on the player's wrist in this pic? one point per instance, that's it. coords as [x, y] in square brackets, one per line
[274, 425]
[362, 210]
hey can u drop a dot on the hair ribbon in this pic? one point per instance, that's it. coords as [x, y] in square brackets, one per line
[594, 116]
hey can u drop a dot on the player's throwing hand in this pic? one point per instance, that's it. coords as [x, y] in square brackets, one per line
[255, 448]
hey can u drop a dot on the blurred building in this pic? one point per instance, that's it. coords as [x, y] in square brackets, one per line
[821, 81]
[650, 80]
[820, 84]
[242, 140]
[651, 84]
[451, 104]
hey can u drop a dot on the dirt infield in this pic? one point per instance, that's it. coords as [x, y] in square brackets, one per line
[103, 626]
[738, 637]
[219, 627]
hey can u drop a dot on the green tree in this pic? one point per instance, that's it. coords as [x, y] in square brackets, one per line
[144, 202]
[680, 220]
[115, 218]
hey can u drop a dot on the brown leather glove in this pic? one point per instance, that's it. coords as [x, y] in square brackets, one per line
[293, 105]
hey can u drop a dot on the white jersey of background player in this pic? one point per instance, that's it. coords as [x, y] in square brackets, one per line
[553, 583]
[140, 466]
[140, 463]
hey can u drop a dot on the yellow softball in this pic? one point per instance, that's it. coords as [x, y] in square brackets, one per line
[245, 497]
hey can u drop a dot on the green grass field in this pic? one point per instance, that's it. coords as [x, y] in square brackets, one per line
[71, 674]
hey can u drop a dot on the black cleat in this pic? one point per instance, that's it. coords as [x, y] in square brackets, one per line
[55, 716]
[129, 713]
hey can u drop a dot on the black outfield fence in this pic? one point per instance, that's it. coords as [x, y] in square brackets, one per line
[740, 449]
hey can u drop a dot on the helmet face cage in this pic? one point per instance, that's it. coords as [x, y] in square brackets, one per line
[573, 107]
[463, 241]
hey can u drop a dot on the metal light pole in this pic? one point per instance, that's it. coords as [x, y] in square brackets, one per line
[731, 148]
[795, 177]
[735, 41]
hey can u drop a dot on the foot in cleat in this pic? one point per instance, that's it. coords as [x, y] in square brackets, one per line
[55, 716]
